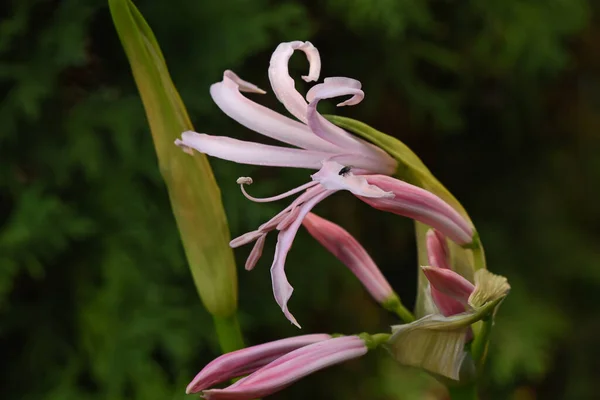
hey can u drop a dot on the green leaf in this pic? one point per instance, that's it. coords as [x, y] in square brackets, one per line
[194, 194]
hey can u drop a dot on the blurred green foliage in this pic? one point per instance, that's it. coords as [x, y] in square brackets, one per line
[501, 99]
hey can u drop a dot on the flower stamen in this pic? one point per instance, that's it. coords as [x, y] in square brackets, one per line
[246, 180]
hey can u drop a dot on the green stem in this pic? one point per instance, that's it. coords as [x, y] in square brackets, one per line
[394, 305]
[463, 392]
[478, 253]
[228, 333]
[480, 343]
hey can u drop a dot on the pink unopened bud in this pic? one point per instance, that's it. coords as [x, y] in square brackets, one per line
[449, 283]
[291, 367]
[421, 205]
[245, 361]
[347, 249]
[437, 249]
[449, 300]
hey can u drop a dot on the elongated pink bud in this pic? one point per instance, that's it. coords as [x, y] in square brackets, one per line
[438, 255]
[347, 249]
[437, 249]
[421, 205]
[291, 367]
[449, 283]
[245, 361]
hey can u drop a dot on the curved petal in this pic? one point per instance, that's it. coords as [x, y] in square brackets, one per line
[282, 290]
[226, 94]
[243, 152]
[332, 177]
[335, 87]
[282, 83]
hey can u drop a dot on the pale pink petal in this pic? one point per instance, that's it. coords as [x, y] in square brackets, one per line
[242, 362]
[282, 290]
[243, 152]
[282, 83]
[255, 253]
[449, 283]
[335, 87]
[332, 177]
[347, 249]
[244, 86]
[226, 94]
[291, 367]
[437, 249]
[421, 205]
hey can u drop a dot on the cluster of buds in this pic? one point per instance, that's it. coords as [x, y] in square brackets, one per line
[343, 162]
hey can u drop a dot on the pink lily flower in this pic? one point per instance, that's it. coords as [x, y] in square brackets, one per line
[286, 369]
[245, 361]
[347, 249]
[343, 161]
[450, 291]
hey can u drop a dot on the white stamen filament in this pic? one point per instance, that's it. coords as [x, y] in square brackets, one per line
[248, 181]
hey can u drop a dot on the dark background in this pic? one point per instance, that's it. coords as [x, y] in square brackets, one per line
[500, 98]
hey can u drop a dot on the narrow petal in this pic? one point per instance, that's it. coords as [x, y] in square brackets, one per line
[449, 282]
[292, 367]
[421, 205]
[255, 253]
[282, 289]
[282, 83]
[332, 177]
[242, 362]
[349, 251]
[243, 152]
[226, 94]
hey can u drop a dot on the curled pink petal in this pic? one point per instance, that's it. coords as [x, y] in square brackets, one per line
[421, 205]
[244, 86]
[332, 176]
[242, 362]
[282, 83]
[449, 282]
[335, 87]
[290, 368]
[255, 253]
[282, 290]
[226, 94]
[347, 249]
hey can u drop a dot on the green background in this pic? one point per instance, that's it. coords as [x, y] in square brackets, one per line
[500, 98]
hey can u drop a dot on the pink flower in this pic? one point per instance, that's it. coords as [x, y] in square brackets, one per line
[248, 360]
[450, 291]
[347, 249]
[277, 369]
[343, 161]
